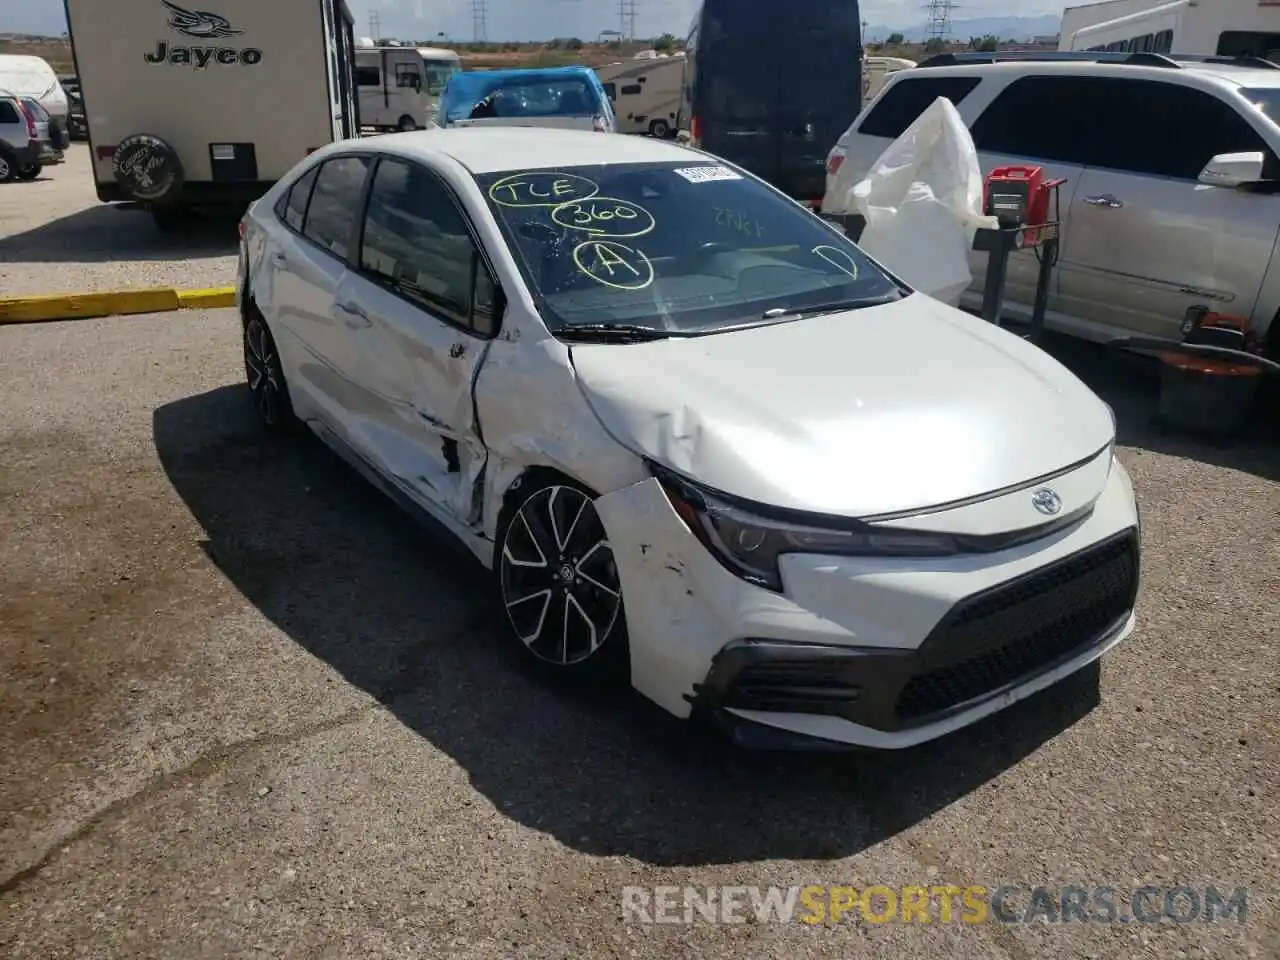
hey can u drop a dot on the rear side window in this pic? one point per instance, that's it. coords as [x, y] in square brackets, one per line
[8, 112]
[1138, 126]
[910, 97]
[294, 209]
[41, 115]
[335, 204]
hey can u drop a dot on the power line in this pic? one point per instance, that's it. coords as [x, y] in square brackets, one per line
[627, 19]
[938, 19]
[479, 20]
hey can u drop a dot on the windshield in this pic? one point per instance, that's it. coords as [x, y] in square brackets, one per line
[438, 74]
[1266, 99]
[567, 97]
[677, 247]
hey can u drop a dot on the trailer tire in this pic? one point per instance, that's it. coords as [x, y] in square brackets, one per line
[406, 124]
[147, 169]
[660, 129]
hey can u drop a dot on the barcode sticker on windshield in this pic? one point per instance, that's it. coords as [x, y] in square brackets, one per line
[707, 174]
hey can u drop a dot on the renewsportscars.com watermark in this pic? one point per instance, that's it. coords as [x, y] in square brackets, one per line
[937, 903]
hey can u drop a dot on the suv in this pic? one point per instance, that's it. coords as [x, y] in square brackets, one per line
[1173, 170]
[24, 139]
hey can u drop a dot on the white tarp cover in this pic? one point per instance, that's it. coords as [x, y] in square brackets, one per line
[922, 202]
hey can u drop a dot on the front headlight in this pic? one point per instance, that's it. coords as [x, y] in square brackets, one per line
[750, 545]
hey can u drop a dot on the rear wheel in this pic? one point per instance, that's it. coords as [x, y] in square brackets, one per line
[8, 167]
[265, 375]
[660, 129]
[559, 583]
[28, 171]
[407, 123]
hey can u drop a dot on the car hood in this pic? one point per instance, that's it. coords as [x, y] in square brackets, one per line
[882, 410]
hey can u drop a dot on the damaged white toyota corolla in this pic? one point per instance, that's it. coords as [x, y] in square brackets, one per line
[701, 439]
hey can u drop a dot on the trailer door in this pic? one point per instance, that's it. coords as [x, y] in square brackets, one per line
[340, 55]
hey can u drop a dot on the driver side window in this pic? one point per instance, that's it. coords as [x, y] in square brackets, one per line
[416, 243]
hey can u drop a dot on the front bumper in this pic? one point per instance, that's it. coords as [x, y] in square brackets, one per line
[873, 652]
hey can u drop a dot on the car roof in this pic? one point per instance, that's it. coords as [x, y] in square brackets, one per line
[501, 149]
[1232, 73]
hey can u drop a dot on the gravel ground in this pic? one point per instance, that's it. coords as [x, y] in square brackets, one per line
[247, 711]
[56, 237]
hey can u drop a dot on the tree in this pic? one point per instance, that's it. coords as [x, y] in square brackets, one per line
[665, 43]
[934, 45]
[988, 44]
[894, 40]
[573, 43]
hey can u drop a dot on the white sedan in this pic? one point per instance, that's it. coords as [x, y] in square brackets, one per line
[704, 443]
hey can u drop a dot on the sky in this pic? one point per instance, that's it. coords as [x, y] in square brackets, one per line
[539, 19]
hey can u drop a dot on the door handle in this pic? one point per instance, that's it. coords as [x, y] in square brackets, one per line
[354, 317]
[1104, 200]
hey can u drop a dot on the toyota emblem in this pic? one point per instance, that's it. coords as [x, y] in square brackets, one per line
[1046, 501]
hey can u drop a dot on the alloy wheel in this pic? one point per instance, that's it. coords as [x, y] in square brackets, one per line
[6, 170]
[262, 370]
[559, 581]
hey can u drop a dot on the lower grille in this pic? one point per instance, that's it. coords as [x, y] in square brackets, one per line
[792, 686]
[1022, 627]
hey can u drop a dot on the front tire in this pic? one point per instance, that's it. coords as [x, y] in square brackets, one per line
[264, 374]
[559, 584]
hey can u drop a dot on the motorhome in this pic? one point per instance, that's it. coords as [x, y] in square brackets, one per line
[876, 72]
[646, 93]
[1229, 28]
[775, 115]
[27, 76]
[190, 108]
[399, 86]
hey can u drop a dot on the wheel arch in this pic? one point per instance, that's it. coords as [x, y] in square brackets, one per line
[531, 477]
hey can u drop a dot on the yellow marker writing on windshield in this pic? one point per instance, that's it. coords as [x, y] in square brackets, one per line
[605, 217]
[839, 259]
[614, 264]
[541, 188]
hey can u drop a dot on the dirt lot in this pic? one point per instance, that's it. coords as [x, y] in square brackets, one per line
[55, 237]
[245, 710]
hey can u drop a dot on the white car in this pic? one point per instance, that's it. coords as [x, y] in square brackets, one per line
[703, 442]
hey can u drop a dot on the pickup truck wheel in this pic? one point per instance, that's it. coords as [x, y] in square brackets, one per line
[8, 167]
[407, 123]
[28, 171]
[559, 583]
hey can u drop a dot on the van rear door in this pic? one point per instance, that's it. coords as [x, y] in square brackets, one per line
[819, 90]
[737, 78]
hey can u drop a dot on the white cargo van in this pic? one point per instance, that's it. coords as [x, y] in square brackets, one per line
[32, 77]
[192, 107]
[645, 93]
[399, 86]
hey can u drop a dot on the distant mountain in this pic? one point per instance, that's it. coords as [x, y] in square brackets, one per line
[1006, 28]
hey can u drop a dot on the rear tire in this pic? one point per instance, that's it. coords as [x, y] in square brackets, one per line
[406, 124]
[28, 171]
[660, 129]
[8, 167]
[264, 374]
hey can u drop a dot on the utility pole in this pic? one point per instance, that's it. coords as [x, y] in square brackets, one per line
[374, 28]
[479, 20]
[938, 22]
[627, 19]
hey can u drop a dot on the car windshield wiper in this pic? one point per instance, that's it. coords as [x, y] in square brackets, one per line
[613, 333]
[834, 306]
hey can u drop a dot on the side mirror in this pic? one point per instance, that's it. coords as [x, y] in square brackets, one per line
[1233, 169]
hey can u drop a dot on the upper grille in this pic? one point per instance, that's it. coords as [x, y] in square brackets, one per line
[1034, 622]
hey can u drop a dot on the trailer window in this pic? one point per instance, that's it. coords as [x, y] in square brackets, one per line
[368, 77]
[905, 100]
[407, 76]
[335, 203]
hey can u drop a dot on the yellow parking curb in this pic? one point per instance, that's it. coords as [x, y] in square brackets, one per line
[109, 304]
